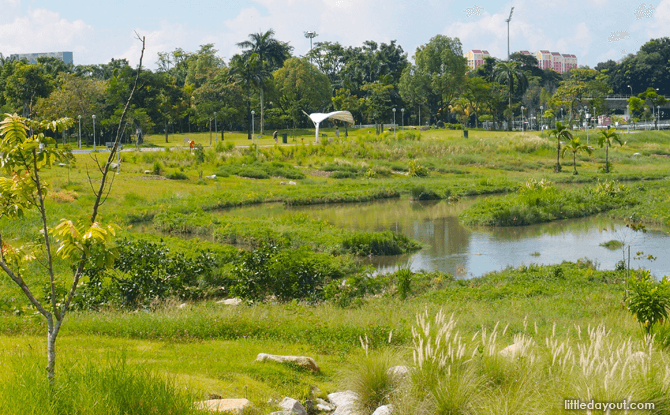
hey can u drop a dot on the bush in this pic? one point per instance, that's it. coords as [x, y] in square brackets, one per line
[423, 193]
[648, 300]
[369, 377]
[177, 176]
[157, 168]
[379, 243]
[417, 170]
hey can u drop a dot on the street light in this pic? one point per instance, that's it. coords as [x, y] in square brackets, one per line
[627, 121]
[79, 131]
[522, 108]
[311, 35]
[93, 132]
[216, 131]
[586, 124]
[658, 118]
[402, 110]
[631, 90]
[253, 132]
[394, 126]
[541, 117]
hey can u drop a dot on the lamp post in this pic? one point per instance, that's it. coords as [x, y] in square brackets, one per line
[394, 126]
[628, 120]
[586, 124]
[658, 118]
[253, 131]
[402, 110]
[79, 131]
[216, 131]
[522, 108]
[311, 35]
[631, 90]
[541, 117]
[93, 132]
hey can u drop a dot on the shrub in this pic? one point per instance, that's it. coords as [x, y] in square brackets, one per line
[177, 176]
[648, 300]
[404, 282]
[379, 243]
[417, 170]
[369, 377]
[157, 168]
[423, 193]
[343, 175]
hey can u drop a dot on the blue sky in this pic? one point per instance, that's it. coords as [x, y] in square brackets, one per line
[594, 30]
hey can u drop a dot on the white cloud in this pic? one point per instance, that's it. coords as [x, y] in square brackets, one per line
[169, 37]
[658, 25]
[42, 30]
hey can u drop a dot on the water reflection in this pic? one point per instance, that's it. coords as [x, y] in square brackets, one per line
[453, 248]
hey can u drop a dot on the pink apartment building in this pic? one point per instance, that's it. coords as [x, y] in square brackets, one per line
[476, 58]
[556, 61]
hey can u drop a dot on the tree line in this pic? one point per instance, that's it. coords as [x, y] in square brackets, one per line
[195, 91]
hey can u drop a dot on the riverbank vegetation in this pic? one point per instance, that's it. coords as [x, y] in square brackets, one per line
[184, 245]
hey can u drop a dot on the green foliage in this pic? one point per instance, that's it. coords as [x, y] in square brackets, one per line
[404, 282]
[537, 203]
[421, 192]
[369, 377]
[157, 168]
[286, 274]
[177, 175]
[261, 170]
[416, 169]
[379, 243]
[648, 300]
[612, 245]
[146, 272]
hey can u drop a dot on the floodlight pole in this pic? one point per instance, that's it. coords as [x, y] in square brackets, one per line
[253, 132]
[509, 20]
[395, 127]
[79, 131]
[311, 35]
[402, 110]
[216, 131]
[522, 108]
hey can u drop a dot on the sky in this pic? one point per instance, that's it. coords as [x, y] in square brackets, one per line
[593, 30]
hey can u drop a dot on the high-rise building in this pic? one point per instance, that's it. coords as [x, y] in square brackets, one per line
[476, 58]
[66, 57]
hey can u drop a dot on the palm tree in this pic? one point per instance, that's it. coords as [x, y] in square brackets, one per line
[509, 73]
[247, 70]
[561, 132]
[575, 147]
[606, 139]
[272, 54]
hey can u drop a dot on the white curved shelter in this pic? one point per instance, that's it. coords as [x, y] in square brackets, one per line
[317, 117]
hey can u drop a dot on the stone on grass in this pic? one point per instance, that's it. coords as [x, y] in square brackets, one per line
[230, 301]
[183, 305]
[345, 402]
[231, 406]
[324, 406]
[383, 410]
[302, 361]
[292, 406]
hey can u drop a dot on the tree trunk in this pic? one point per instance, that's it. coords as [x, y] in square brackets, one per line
[166, 131]
[248, 115]
[574, 163]
[210, 132]
[557, 168]
[607, 157]
[51, 353]
[262, 109]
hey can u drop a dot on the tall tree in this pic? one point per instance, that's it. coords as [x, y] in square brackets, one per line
[248, 72]
[510, 73]
[561, 133]
[271, 53]
[301, 87]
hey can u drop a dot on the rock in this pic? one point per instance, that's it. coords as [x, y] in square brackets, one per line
[233, 406]
[302, 361]
[183, 305]
[292, 406]
[212, 177]
[147, 172]
[230, 301]
[345, 402]
[62, 165]
[637, 154]
[398, 372]
[383, 410]
[282, 183]
[324, 406]
[292, 183]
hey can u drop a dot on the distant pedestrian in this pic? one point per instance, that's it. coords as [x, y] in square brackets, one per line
[274, 135]
[337, 132]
